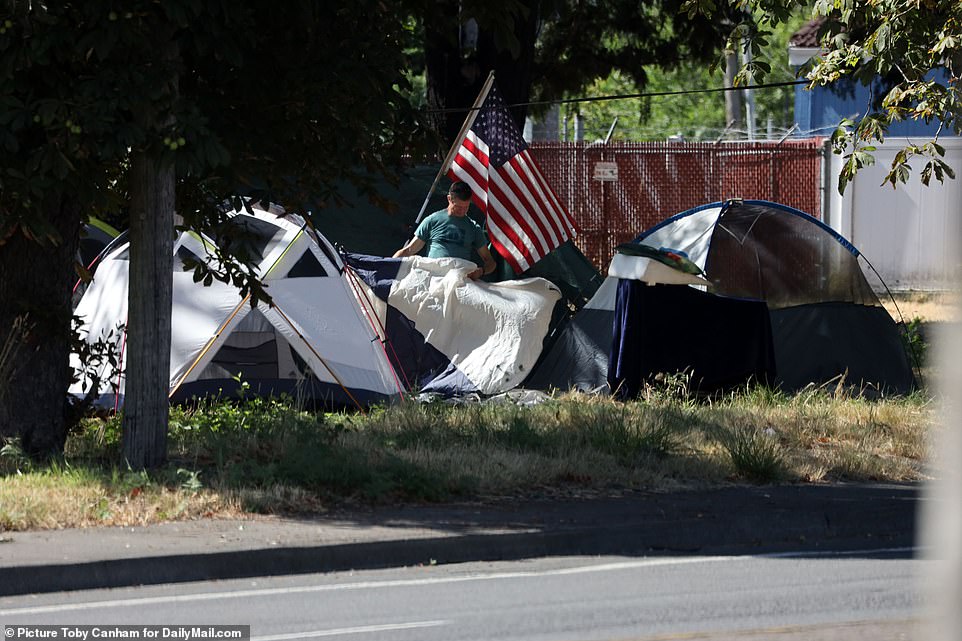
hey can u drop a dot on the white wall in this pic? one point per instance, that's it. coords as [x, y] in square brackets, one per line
[907, 232]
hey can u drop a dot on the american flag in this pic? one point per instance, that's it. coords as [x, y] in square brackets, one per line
[526, 220]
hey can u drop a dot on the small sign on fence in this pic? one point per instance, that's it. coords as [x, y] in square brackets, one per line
[606, 171]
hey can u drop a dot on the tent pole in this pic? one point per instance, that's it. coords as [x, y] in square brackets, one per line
[223, 326]
[468, 122]
[210, 343]
[379, 330]
[323, 362]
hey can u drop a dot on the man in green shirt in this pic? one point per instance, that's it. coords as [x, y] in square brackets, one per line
[451, 233]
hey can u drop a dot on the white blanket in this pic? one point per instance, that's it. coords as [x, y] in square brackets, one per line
[492, 332]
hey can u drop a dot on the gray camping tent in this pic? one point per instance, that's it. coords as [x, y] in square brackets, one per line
[826, 321]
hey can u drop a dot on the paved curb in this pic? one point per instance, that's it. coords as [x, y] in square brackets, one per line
[731, 521]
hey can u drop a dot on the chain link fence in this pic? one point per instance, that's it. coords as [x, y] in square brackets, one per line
[617, 190]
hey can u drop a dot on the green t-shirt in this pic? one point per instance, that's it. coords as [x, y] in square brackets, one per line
[450, 236]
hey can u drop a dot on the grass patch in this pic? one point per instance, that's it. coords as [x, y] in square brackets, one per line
[755, 453]
[268, 456]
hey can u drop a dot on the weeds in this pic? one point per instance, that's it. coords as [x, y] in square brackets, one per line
[12, 457]
[264, 455]
[755, 453]
[914, 340]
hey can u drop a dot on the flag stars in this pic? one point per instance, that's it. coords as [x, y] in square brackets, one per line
[497, 129]
[525, 219]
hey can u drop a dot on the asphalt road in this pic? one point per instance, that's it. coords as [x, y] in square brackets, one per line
[818, 596]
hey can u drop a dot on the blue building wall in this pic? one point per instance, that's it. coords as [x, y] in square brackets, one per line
[819, 111]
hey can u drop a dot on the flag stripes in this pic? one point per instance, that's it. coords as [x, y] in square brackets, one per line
[526, 220]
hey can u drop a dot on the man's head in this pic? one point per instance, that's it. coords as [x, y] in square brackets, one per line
[459, 198]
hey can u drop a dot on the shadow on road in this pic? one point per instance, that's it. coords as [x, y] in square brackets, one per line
[839, 520]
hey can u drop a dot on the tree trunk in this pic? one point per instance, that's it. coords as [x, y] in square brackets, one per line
[455, 75]
[150, 285]
[35, 334]
[149, 296]
[513, 72]
[447, 87]
[733, 99]
[146, 407]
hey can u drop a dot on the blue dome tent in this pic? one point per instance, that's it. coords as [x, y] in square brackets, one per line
[824, 318]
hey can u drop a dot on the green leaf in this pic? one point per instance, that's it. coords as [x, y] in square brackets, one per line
[843, 180]
[947, 169]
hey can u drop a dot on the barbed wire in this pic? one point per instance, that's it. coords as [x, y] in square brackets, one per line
[595, 133]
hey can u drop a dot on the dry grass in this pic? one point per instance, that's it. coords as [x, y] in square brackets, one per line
[930, 307]
[52, 500]
[228, 460]
[825, 438]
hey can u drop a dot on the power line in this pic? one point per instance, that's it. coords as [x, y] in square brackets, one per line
[651, 94]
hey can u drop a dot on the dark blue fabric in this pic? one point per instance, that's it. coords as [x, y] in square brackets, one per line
[819, 343]
[418, 364]
[578, 358]
[450, 382]
[722, 342]
[415, 361]
[379, 273]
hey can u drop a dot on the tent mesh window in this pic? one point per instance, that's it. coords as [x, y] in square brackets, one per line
[248, 237]
[784, 259]
[307, 266]
[183, 256]
[90, 248]
[250, 351]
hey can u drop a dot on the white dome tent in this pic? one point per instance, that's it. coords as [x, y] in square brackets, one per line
[314, 342]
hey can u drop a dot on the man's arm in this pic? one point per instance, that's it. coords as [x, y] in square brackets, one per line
[413, 247]
[487, 259]
[489, 264]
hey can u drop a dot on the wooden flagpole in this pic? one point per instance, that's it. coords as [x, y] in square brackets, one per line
[468, 122]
